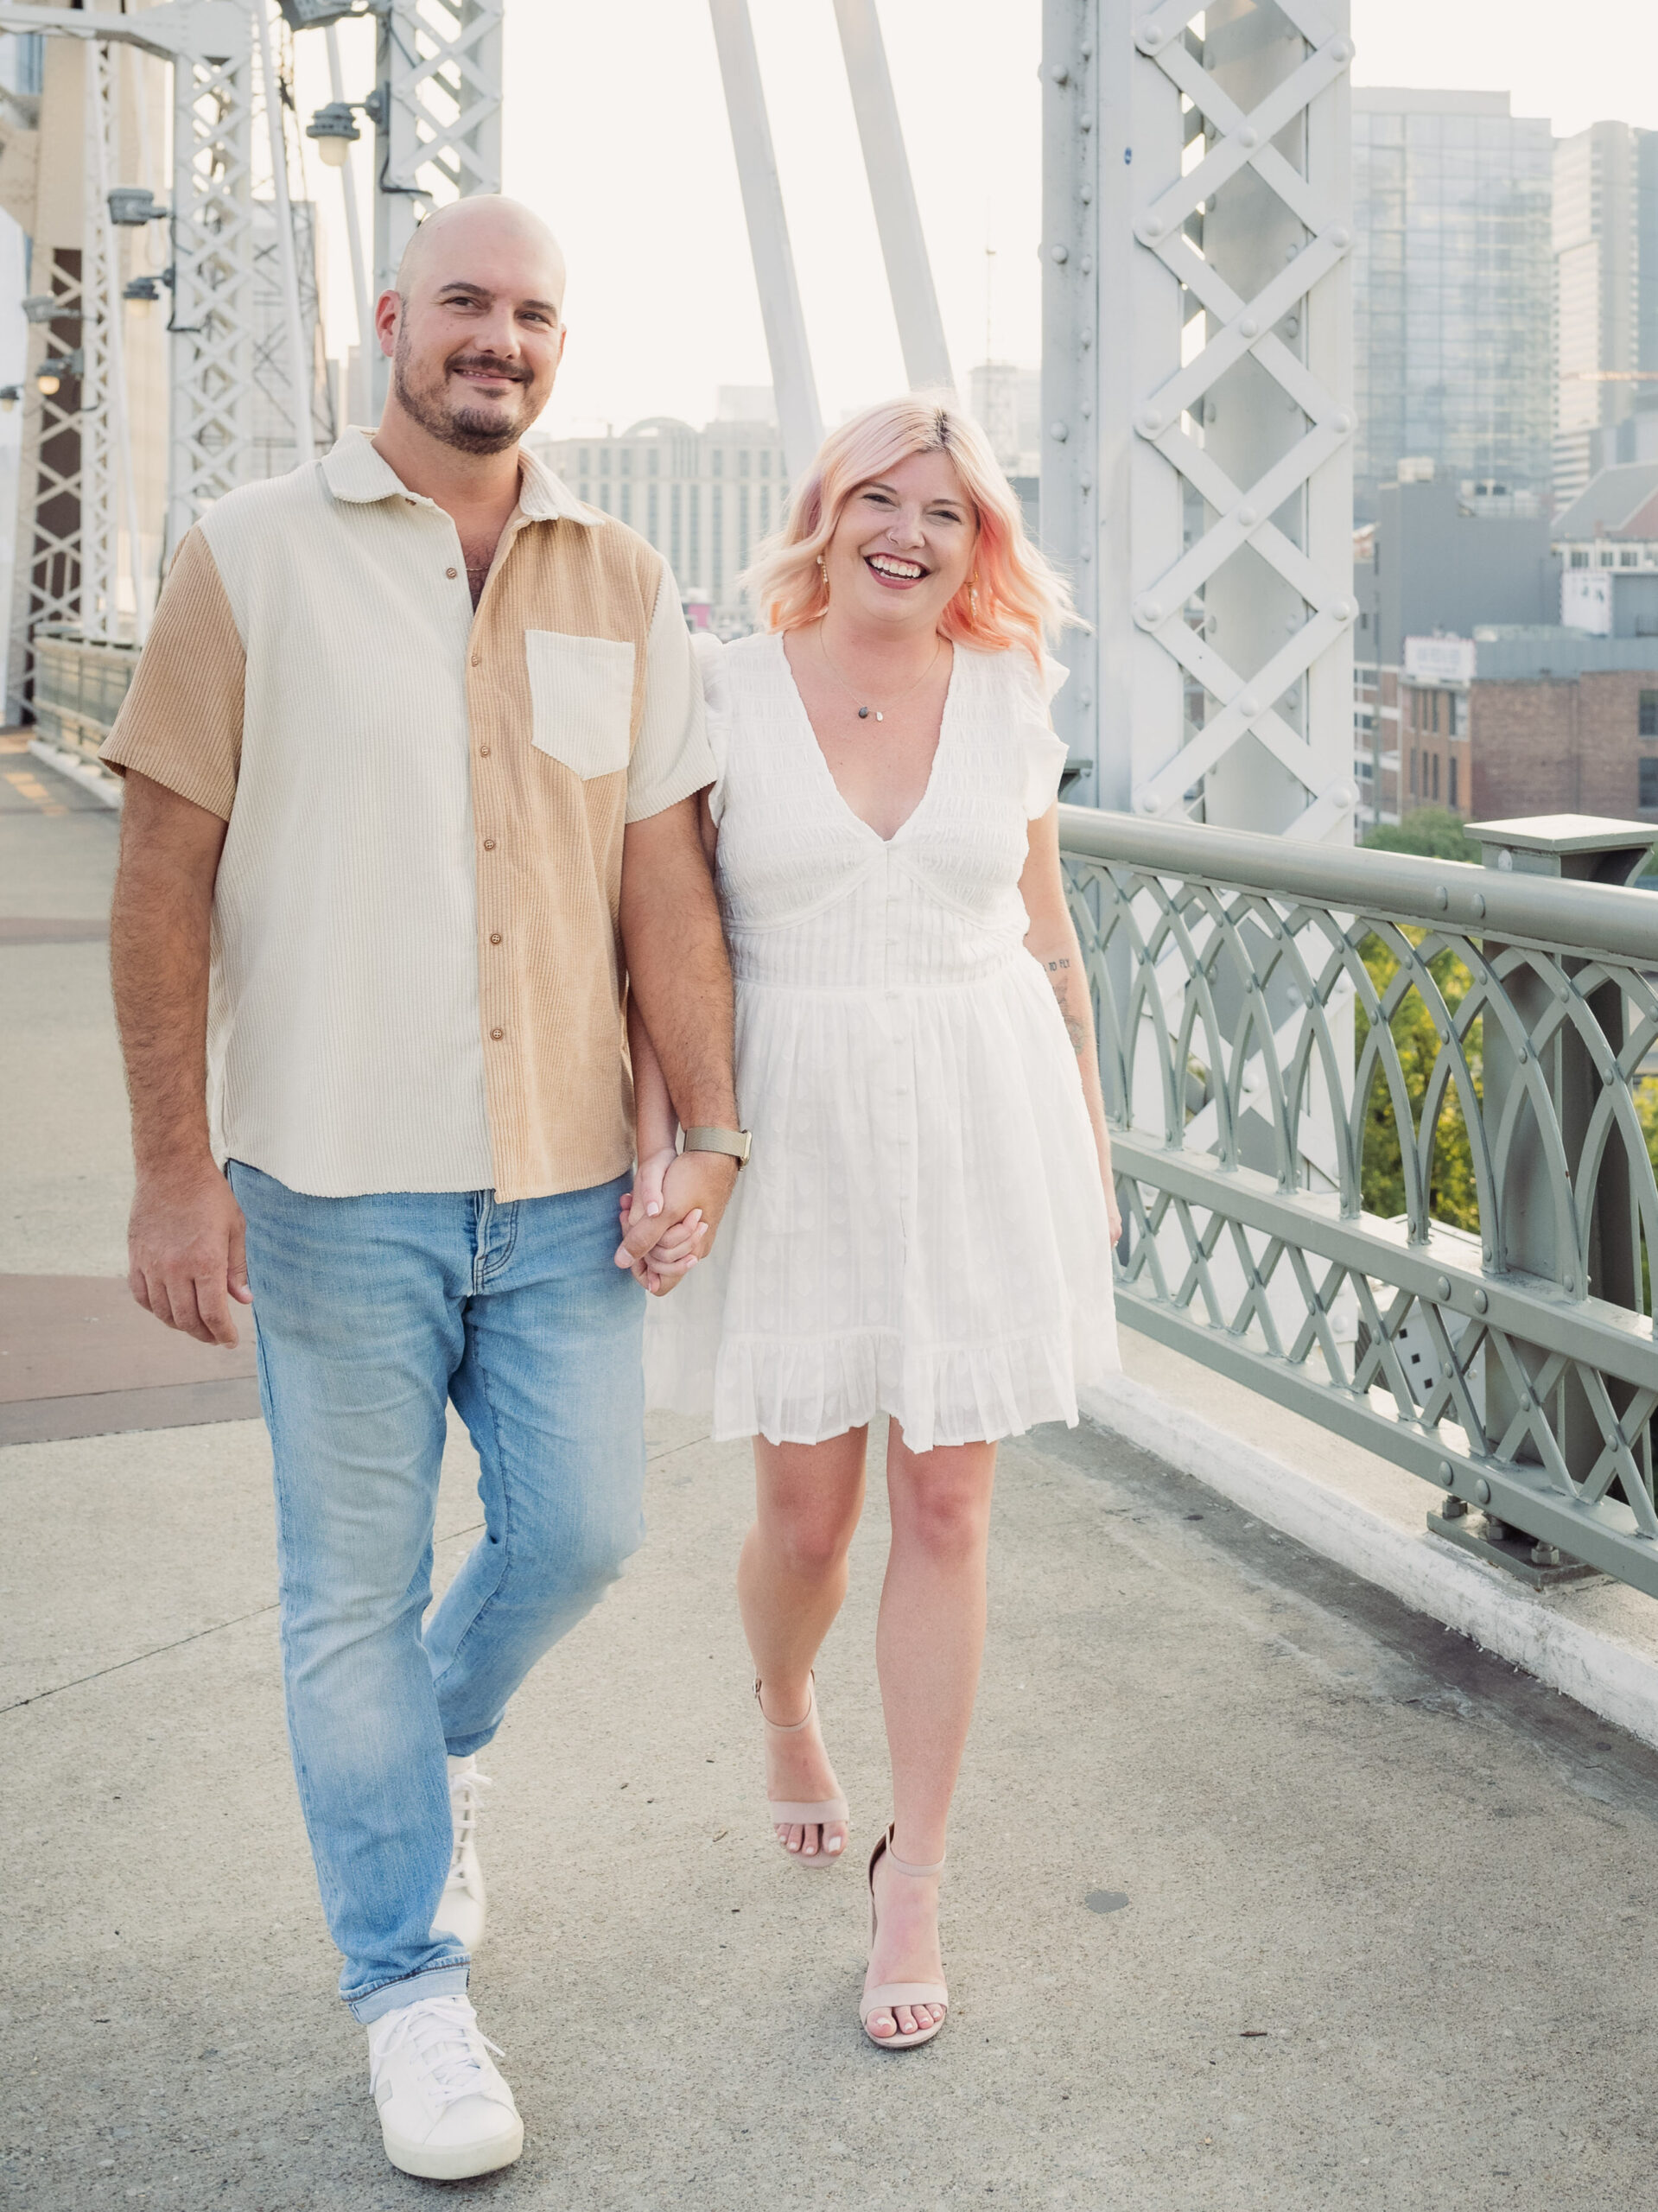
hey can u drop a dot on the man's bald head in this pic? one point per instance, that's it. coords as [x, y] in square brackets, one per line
[489, 226]
[475, 327]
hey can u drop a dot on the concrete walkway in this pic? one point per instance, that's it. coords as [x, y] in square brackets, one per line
[1265, 1892]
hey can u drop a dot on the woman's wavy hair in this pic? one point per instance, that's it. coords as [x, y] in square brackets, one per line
[1014, 596]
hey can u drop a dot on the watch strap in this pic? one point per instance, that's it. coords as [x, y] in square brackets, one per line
[734, 1142]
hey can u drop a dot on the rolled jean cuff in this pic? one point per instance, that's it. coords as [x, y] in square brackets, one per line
[392, 1996]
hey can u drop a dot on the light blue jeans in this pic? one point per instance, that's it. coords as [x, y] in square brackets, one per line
[372, 1314]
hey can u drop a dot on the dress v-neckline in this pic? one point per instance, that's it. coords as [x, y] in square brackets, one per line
[822, 758]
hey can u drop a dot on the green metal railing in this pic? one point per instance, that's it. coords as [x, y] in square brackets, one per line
[79, 686]
[1251, 994]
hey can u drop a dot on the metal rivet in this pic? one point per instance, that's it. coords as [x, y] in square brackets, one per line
[1572, 1282]
[1479, 905]
[1445, 1473]
[1442, 1286]
[1248, 516]
[1058, 433]
[1505, 860]
[1481, 1301]
[1059, 253]
[1441, 897]
[1341, 49]
[1528, 1404]
[1340, 238]
[1149, 613]
[1525, 1056]
[1059, 74]
[1608, 1074]
[1249, 137]
[1249, 704]
[1147, 801]
[1483, 1490]
[1343, 610]
[1151, 421]
[1249, 326]
[1343, 420]
[1151, 230]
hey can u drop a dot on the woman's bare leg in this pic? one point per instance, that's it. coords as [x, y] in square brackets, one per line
[928, 1647]
[790, 1580]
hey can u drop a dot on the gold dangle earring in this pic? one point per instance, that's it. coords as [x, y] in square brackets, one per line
[823, 565]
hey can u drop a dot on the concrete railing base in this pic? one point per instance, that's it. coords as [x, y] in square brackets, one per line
[1502, 1616]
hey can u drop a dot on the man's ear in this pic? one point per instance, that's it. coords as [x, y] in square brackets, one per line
[387, 314]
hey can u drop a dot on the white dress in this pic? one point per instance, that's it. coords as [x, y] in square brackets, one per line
[921, 1229]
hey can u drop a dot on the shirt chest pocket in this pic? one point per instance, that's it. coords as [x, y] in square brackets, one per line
[581, 700]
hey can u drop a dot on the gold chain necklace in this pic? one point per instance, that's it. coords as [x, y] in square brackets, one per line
[865, 711]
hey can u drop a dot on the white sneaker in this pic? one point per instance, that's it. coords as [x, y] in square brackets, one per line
[462, 1908]
[445, 2112]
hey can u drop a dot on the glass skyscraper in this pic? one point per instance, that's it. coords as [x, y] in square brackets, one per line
[1453, 289]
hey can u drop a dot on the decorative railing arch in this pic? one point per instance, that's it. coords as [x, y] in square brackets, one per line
[1511, 1361]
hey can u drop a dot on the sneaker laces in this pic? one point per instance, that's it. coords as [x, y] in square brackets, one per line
[439, 2033]
[465, 1791]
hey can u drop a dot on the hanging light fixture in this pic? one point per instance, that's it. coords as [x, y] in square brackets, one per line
[132, 206]
[334, 128]
[10, 395]
[47, 383]
[141, 293]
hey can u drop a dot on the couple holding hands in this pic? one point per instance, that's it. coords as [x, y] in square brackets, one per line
[466, 912]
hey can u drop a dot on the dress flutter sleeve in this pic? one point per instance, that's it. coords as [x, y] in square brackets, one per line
[709, 654]
[1043, 755]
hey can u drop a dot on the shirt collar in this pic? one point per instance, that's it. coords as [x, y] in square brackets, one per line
[353, 470]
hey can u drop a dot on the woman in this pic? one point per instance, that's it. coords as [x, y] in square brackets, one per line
[925, 1227]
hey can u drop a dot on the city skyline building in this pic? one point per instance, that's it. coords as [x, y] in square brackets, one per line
[1453, 290]
[705, 499]
[1605, 232]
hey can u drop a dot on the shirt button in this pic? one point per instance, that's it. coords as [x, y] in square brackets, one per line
[497, 1034]
[451, 574]
[495, 936]
[489, 844]
[483, 752]
[478, 660]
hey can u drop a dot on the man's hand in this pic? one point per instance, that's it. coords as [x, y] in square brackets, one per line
[186, 1249]
[696, 1182]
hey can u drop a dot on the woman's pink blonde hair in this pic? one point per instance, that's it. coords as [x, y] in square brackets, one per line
[1012, 596]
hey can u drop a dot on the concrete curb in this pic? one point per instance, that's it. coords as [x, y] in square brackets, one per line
[1501, 1616]
[96, 781]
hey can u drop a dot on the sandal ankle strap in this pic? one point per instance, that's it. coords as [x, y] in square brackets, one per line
[903, 1866]
[791, 1727]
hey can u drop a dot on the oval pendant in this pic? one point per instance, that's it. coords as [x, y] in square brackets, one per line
[879, 717]
[863, 713]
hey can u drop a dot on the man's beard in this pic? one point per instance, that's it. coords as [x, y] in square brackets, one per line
[469, 429]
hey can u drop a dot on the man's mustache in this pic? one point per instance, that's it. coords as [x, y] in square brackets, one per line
[502, 368]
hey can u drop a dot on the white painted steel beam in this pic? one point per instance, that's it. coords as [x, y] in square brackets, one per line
[1197, 404]
[798, 418]
[898, 217]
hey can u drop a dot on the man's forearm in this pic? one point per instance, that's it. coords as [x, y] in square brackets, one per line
[677, 966]
[161, 923]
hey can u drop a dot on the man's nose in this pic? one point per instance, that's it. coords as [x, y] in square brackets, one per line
[499, 335]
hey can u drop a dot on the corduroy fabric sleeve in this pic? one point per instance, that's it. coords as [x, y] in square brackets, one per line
[672, 756]
[181, 723]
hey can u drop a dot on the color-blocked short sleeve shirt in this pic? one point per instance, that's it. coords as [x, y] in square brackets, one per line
[416, 975]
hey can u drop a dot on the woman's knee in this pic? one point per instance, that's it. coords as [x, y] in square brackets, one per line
[945, 1511]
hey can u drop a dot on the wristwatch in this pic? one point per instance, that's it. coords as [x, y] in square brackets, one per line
[736, 1142]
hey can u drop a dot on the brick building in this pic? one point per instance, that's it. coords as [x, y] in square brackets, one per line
[1579, 743]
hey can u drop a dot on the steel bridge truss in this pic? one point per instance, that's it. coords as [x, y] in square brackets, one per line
[1198, 415]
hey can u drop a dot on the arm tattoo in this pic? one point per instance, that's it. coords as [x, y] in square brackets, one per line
[1077, 1030]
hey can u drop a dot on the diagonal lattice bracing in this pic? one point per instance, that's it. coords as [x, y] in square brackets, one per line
[1491, 1061]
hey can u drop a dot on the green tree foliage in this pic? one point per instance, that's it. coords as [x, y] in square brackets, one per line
[1451, 1196]
[1434, 831]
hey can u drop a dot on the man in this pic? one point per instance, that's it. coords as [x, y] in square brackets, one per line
[410, 759]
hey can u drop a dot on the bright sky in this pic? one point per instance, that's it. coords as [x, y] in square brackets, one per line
[619, 136]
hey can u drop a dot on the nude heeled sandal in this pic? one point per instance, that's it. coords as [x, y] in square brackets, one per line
[786, 1813]
[887, 1996]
